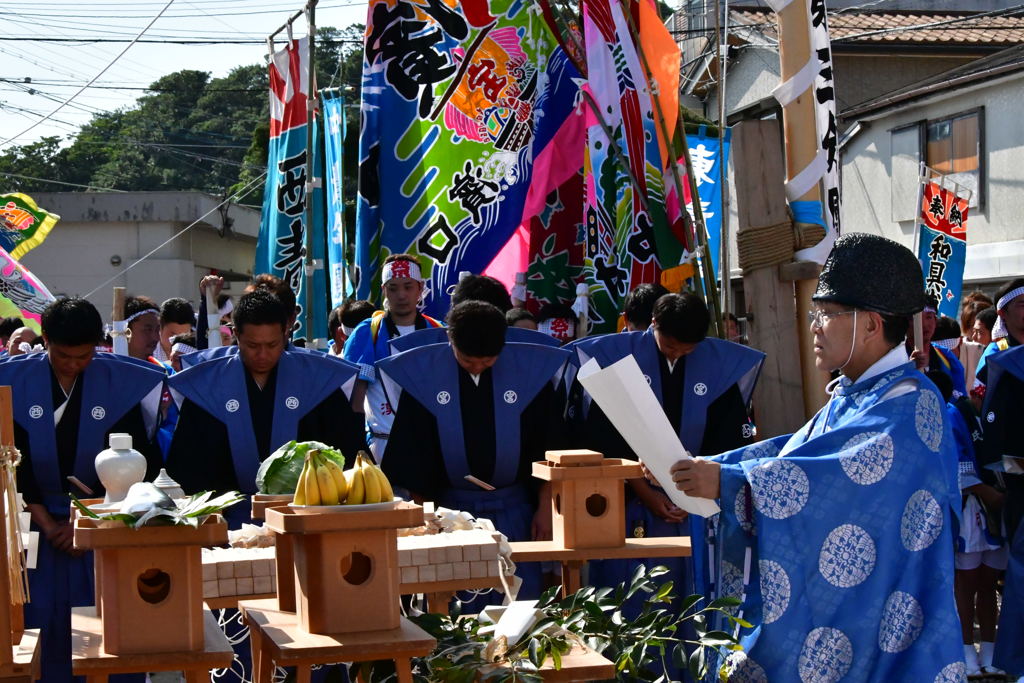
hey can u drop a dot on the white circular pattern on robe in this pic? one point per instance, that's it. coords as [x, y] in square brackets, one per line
[775, 590]
[35, 412]
[744, 514]
[98, 412]
[847, 556]
[952, 673]
[826, 656]
[511, 397]
[231, 406]
[991, 417]
[763, 449]
[902, 621]
[443, 397]
[291, 403]
[743, 669]
[867, 457]
[780, 488]
[928, 420]
[700, 388]
[730, 583]
[922, 521]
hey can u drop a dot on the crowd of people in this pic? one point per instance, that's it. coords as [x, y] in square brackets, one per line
[871, 544]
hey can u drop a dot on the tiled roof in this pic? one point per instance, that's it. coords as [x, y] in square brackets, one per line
[910, 28]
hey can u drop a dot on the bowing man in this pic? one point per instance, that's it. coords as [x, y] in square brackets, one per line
[839, 536]
[704, 386]
[67, 402]
[482, 408]
[238, 409]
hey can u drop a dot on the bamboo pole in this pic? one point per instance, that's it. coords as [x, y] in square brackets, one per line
[311, 266]
[11, 616]
[801, 142]
[119, 330]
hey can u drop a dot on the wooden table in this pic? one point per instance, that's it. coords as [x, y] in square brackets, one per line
[278, 640]
[579, 664]
[90, 660]
[572, 559]
[25, 665]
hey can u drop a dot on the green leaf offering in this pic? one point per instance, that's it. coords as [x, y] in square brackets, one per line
[279, 473]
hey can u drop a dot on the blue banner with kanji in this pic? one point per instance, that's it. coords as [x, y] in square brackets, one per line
[281, 247]
[707, 165]
[942, 245]
[334, 140]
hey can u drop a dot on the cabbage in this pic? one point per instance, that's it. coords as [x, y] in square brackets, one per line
[279, 473]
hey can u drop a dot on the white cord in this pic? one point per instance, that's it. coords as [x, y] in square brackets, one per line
[853, 342]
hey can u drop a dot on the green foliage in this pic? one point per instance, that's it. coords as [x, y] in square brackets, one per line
[641, 647]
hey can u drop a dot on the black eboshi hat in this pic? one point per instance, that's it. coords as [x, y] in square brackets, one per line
[872, 273]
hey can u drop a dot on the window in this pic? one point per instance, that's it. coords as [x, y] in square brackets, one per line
[953, 148]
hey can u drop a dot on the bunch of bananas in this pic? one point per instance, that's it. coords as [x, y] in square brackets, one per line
[323, 482]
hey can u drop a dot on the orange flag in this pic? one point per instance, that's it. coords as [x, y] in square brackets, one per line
[663, 58]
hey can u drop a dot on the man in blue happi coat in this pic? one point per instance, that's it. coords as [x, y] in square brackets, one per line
[479, 407]
[238, 409]
[1004, 448]
[840, 536]
[67, 402]
[704, 386]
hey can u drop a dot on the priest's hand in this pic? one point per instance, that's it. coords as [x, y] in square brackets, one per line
[698, 478]
[657, 502]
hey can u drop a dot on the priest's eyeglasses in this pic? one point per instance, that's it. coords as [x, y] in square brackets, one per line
[819, 317]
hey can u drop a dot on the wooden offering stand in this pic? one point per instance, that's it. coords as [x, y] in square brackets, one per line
[588, 516]
[19, 648]
[347, 592]
[149, 613]
[283, 554]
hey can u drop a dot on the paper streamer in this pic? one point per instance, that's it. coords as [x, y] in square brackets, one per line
[627, 400]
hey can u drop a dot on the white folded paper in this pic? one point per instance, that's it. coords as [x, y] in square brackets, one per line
[626, 398]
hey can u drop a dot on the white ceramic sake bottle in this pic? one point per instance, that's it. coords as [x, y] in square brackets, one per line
[120, 466]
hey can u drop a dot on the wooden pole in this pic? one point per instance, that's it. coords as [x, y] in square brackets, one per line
[119, 330]
[11, 616]
[311, 182]
[801, 139]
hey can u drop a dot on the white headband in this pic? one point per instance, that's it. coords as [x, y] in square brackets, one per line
[348, 330]
[999, 330]
[949, 344]
[400, 268]
[562, 329]
[181, 348]
[141, 313]
[929, 309]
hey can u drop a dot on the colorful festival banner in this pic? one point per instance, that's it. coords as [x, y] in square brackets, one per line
[942, 244]
[629, 238]
[23, 225]
[334, 141]
[452, 101]
[281, 248]
[707, 163]
[22, 294]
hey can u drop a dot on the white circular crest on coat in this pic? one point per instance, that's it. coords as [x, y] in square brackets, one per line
[922, 521]
[847, 556]
[98, 412]
[928, 420]
[35, 412]
[762, 449]
[291, 403]
[775, 590]
[232, 405]
[443, 397]
[952, 673]
[866, 458]
[902, 621]
[743, 669]
[780, 488]
[746, 431]
[647, 378]
[744, 514]
[511, 397]
[730, 581]
[700, 388]
[991, 417]
[826, 656]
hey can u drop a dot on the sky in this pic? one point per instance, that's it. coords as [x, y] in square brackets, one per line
[59, 69]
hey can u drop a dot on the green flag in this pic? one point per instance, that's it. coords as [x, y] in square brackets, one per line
[23, 225]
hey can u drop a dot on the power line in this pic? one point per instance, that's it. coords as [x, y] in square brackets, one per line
[60, 182]
[94, 79]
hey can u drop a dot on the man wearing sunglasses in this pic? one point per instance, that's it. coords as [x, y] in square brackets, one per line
[839, 536]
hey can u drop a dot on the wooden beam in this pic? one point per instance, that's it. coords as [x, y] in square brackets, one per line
[771, 305]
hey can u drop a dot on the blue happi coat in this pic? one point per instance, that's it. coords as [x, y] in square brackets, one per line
[844, 532]
[112, 386]
[431, 375]
[1009, 653]
[712, 368]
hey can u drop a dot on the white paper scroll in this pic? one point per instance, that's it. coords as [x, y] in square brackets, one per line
[626, 398]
